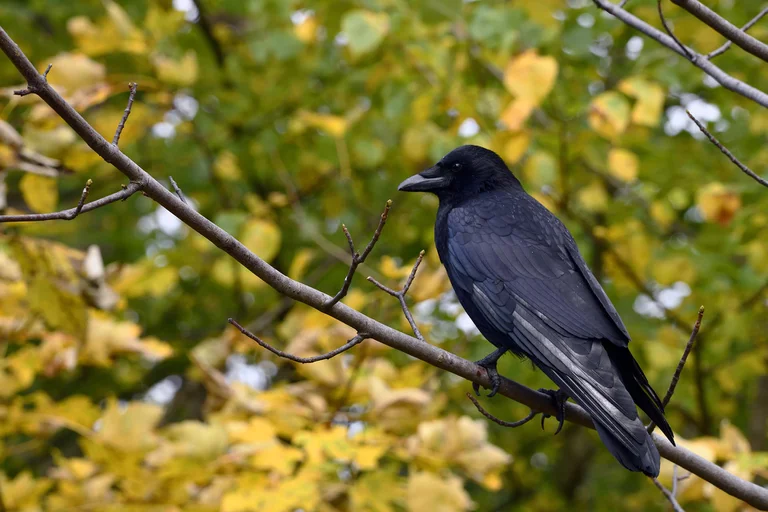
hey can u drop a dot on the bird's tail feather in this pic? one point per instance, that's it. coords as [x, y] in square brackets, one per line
[637, 385]
[591, 378]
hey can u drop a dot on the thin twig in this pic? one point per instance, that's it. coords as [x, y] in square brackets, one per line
[671, 497]
[672, 34]
[728, 30]
[358, 258]
[359, 338]
[681, 364]
[724, 48]
[132, 87]
[726, 80]
[70, 214]
[177, 190]
[510, 424]
[746, 170]
[400, 295]
[29, 89]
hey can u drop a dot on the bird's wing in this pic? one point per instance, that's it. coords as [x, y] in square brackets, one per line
[526, 255]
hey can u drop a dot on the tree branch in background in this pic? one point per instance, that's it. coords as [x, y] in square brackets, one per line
[358, 258]
[669, 31]
[749, 492]
[509, 424]
[698, 60]
[70, 214]
[132, 87]
[724, 48]
[400, 295]
[303, 360]
[725, 28]
[681, 364]
[204, 22]
[746, 170]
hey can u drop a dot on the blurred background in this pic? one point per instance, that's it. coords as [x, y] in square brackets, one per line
[123, 388]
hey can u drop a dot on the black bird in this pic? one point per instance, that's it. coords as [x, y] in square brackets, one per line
[519, 275]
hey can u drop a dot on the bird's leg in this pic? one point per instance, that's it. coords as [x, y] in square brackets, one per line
[559, 397]
[489, 363]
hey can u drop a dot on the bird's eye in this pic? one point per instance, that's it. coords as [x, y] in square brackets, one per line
[456, 166]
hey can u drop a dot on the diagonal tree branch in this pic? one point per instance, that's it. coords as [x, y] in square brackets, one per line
[669, 31]
[725, 28]
[724, 48]
[723, 78]
[746, 170]
[125, 193]
[742, 489]
[400, 295]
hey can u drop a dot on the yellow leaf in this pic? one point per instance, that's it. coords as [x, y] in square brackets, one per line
[277, 457]
[53, 283]
[256, 431]
[365, 30]
[129, 428]
[40, 192]
[733, 441]
[516, 113]
[335, 126]
[377, 492]
[662, 212]
[24, 493]
[609, 114]
[74, 71]
[300, 263]
[649, 100]
[262, 237]
[226, 166]
[193, 439]
[593, 198]
[445, 493]
[530, 76]
[181, 72]
[367, 457]
[540, 169]
[515, 147]
[717, 203]
[306, 30]
[623, 164]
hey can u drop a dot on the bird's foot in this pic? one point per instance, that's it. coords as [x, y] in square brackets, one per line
[489, 363]
[559, 397]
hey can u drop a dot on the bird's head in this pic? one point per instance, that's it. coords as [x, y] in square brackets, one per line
[464, 171]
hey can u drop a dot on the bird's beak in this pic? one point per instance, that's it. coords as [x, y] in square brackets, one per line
[426, 181]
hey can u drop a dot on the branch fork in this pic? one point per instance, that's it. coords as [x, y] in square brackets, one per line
[357, 258]
[400, 295]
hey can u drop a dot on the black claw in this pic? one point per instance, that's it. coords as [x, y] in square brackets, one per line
[560, 397]
[489, 363]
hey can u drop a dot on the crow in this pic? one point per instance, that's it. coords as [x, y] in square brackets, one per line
[519, 275]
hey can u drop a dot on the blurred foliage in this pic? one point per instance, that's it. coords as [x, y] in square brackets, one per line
[122, 389]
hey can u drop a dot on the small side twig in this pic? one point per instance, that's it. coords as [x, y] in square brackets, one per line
[680, 364]
[359, 338]
[132, 87]
[358, 258]
[746, 170]
[32, 90]
[81, 207]
[726, 46]
[669, 495]
[400, 295]
[672, 34]
[177, 190]
[510, 424]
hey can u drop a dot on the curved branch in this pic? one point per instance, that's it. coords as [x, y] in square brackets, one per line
[742, 489]
[698, 60]
[125, 193]
[725, 28]
[726, 45]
